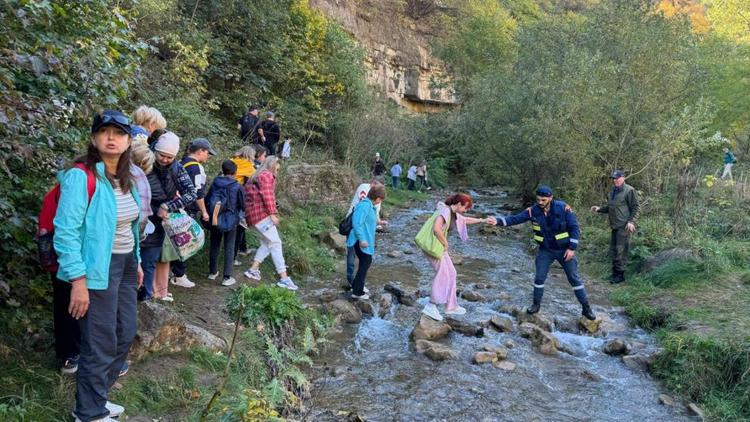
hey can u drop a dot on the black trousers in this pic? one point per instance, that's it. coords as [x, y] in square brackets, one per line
[215, 247]
[365, 260]
[67, 333]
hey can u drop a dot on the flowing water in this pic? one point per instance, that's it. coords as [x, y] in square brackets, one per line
[372, 371]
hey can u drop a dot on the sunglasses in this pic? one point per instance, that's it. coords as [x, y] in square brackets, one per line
[109, 118]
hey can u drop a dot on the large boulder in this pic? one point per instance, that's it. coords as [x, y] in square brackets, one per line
[473, 296]
[465, 328]
[662, 257]
[429, 329]
[386, 301]
[616, 347]
[543, 340]
[160, 329]
[345, 310]
[334, 241]
[539, 319]
[589, 325]
[435, 351]
[404, 297]
[502, 324]
[319, 183]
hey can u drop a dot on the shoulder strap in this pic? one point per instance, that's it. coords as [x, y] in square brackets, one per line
[190, 163]
[90, 180]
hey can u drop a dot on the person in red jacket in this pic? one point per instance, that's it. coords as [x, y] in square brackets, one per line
[261, 213]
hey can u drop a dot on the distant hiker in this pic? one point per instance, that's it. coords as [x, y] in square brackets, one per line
[729, 161]
[199, 150]
[249, 126]
[260, 155]
[286, 149]
[270, 133]
[261, 213]
[362, 237]
[623, 209]
[396, 175]
[449, 215]
[555, 230]
[411, 176]
[146, 120]
[226, 199]
[422, 176]
[378, 168]
[360, 194]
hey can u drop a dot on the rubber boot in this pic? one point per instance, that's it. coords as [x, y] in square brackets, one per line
[587, 312]
[618, 277]
[534, 308]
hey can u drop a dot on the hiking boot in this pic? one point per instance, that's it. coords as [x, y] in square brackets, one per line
[287, 283]
[183, 282]
[618, 277]
[432, 311]
[458, 310]
[587, 312]
[253, 274]
[213, 276]
[70, 366]
[534, 308]
[228, 281]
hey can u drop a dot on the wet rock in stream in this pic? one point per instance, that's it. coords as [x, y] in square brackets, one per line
[466, 328]
[539, 319]
[616, 347]
[429, 329]
[545, 342]
[500, 351]
[403, 297]
[502, 324]
[435, 351]
[386, 301]
[345, 310]
[589, 325]
[484, 357]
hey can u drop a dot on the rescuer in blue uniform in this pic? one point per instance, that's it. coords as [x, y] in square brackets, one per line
[556, 231]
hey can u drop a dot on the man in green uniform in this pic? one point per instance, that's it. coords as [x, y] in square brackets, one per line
[622, 208]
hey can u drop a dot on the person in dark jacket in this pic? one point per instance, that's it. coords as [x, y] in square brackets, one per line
[225, 186]
[378, 169]
[249, 126]
[623, 209]
[171, 190]
[556, 231]
[271, 133]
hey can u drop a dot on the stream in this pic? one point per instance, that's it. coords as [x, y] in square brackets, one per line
[371, 370]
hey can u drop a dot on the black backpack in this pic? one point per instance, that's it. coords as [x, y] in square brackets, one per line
[345, 226]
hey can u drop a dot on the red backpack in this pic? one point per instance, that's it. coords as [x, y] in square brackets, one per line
[46, 230]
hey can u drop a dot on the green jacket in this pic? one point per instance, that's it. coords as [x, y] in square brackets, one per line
[622, 208]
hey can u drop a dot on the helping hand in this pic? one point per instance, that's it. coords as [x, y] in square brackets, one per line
[569, 254]
[492, 221]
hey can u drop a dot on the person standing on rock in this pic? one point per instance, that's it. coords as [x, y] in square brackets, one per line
[360, 194]
[623, 209]
[378, 169]
[555, 229]
[362, 237]
[444, 284]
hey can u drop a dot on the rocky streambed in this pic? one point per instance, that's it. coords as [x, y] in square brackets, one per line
[388, 362]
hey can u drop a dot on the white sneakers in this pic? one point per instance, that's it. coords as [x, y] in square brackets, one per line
[213, 276]
[115, 410]
[183, 282]
[432, 311]
[363, 297]
[228, 281]
[458, 310]
[252, 274]
[167, 298]
[287, 283]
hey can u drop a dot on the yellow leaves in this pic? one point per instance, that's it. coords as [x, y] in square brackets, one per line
[691, 9]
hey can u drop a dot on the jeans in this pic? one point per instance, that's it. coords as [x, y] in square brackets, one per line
[213, 253]
[67, 333]
[240, 242]
[422, 182]
[149, 258]
[396, 181]
[365, 260]
[107, 331]
[410, 185]
[350, 261]
[619, 247]
[544, 259]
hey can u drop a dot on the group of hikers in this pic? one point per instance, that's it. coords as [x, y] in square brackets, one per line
[416, 173]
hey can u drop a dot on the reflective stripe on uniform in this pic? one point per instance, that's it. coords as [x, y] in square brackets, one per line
[561, 235]
[574, 241]
[503, 220]
[539, 286]
[539, 238]
[578, 287]
[536, 227]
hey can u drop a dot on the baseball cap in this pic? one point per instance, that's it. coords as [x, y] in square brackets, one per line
[269, 114]
[203, 143]
[111, 118]
[544, 191]
[617, 174]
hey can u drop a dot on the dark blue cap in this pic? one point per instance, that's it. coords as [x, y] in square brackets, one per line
[111, 118]
[544, 191]
[617, 174]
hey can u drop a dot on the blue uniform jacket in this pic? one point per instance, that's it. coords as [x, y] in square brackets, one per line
[553, 225]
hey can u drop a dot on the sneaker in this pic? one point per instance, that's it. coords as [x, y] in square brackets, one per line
[115, 410]
[183, 282]
[458, 310]
[124, 370]
[70, 366]
[236, 262]
[432, 311]
[104, 419]
[213, 276]
[228, 281]
[243, 253]
[167, 298]
[287, 283]
[366, 290]
[361, 297]
[253, 274]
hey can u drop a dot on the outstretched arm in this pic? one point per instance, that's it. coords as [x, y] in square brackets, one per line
[512, 220]
[489, 220]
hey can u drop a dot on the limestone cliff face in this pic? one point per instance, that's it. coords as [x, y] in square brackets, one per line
[398, 56]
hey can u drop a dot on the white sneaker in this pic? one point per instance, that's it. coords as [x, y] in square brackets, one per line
[366, 290]
[458, 310]
[115, 410]
[253, 274]
[236, 262]
[104, 419]
[228, 281]
[167, 298]
[362, 297]
[183, 282]
[287, 283]
[431, 311]
[213, 276]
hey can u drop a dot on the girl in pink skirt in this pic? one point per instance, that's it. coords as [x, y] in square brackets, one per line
[444, 283]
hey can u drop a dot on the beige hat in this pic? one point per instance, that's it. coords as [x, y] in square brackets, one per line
[168, 143]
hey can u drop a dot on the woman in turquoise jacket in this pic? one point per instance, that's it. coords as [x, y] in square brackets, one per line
[96, 242]
[362, 237]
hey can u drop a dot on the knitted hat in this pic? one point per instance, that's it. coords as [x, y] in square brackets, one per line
[168, 143]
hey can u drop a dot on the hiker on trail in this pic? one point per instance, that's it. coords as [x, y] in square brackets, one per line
[249, 126]
[261, 213]
[199, 150]
[146, 120]
[622, 209]
[271, 133]
[378, 169]
[729, 161]
[422, 176]
[411, 176]
[96, 240]
[142, 159]
[286, 149]
[396, 175]
[360, 194]
[362, 238]
[171, 190]
[260, 155]
[226, 199]
[243, 159]
[555, 229]
[449, 215]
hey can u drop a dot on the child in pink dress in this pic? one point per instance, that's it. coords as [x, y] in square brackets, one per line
[444, 283]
